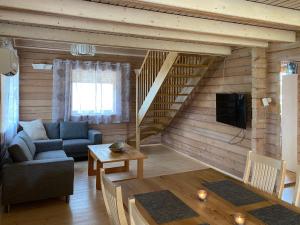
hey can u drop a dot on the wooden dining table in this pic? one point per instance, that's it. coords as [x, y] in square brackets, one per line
[214, 211]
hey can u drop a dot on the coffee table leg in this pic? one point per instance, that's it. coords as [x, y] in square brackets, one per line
[140, 168]
[126, 165]
[98, 181]
[91, 170]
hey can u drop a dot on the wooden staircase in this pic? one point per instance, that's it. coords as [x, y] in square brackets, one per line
[163, 86]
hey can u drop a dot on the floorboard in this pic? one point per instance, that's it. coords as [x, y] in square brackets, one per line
[86, 205]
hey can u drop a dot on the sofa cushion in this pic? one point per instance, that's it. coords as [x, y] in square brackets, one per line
[52, 130]
[19, 150]
[73, 130]
[48, 145]
[50, 155]
[76, 145]
[35, 129]
[28, 141]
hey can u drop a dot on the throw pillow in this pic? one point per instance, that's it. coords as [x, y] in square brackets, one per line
[35, 129]
[19, 151]
[23, 135]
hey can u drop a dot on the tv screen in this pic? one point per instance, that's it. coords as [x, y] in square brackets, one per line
[232, 109]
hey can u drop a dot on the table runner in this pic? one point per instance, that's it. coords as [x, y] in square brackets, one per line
[276, 215]
[164, 206]
[234, 193]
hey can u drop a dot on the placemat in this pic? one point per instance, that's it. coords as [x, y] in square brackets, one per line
[164, 206]
[276, 215]
[234, 193]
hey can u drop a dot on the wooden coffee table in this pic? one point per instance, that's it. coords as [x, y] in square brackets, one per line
[102, 154]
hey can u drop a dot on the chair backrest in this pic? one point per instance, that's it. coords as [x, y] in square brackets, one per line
[297, 188]
[136, 217]
[112, 195]
[264, 173]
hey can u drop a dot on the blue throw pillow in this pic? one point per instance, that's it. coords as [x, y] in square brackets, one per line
[19, 150]
[52, 130]
[22, 134]
[73, 130]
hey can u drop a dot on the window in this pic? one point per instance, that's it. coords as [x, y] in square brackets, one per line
[93, 93]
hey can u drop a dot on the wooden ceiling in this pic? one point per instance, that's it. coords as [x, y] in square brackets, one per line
[182, 26]
[290, 4]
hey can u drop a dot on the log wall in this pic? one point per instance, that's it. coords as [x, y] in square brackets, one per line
[195, 131]
[36, 91]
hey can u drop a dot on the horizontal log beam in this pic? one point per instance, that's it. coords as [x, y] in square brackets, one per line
[236, 9]
[140, 17]
[65, 47]
[31, 32]
[124, 29]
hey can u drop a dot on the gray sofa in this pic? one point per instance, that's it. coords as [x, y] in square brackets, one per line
[75, 136]
[37, 170]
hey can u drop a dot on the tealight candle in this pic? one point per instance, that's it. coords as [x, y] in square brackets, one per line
[202, 195]
[239, 219]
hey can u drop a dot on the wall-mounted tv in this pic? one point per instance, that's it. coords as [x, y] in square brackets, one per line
[232, 109]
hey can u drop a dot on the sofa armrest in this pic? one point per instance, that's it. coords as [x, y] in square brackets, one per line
[48, 145]
[37, 179]
[95, 136]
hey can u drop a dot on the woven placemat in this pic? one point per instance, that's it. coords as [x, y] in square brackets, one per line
[276, 215]
[233, 193]
[164, 206]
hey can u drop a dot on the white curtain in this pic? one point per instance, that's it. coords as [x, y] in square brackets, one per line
[97, 92]
[9, 106]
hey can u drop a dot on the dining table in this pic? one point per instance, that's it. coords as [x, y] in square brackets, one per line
[173, 200]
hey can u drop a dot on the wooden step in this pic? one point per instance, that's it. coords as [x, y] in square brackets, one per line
[180, 85]
[132, 141]
[149, 132]
[162, 110]
[173, 94]
[151, 128]
[161, 103]
[184, 76]
[143, 136]
[151, 125]
[160, 116]
[190, 65]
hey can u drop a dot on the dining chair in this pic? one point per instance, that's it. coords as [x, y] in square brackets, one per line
[112, 195]
[296, 200]
[135, 216]
[265, 173]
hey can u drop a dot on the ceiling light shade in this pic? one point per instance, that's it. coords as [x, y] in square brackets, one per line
[83, 50]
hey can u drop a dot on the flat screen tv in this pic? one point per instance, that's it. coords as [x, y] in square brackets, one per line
[232, 109]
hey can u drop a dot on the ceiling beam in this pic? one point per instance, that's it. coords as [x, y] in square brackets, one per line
[139, 17]
[236, 9]
[31, 32]
[65, 47]
[125, 29]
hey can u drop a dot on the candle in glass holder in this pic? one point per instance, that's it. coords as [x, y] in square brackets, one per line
[202, 195]
[239, 218]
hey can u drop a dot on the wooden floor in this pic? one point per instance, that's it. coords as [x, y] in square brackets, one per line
[86, 205]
